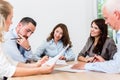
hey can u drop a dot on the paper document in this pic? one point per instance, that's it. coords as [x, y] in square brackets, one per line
[61, 62]
[69, 69]
[54, 59]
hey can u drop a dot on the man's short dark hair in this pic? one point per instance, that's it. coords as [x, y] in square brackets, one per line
[27, 20]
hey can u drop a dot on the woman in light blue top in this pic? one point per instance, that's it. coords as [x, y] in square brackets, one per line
[57, 41]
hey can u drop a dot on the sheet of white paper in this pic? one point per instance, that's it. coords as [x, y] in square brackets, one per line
[61, 62]
[69, 69]
[54, 59]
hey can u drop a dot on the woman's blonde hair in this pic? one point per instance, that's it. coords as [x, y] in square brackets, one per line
[2, 25]
[5, 10]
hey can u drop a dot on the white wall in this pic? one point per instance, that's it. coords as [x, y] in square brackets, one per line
[76, 14]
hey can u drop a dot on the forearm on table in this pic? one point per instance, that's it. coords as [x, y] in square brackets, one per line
[22, 71]
[28, 65]
[81, 58]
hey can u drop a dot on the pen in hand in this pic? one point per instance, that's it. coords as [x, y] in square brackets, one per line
[15, 38]
[93, 60]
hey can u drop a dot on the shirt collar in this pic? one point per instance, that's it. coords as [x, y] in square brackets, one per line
[52, 41]
[4, 32]
[14, 32]
[118, 32]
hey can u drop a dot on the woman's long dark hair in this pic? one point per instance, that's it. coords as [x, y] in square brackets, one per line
[65, 38]
[103, 35]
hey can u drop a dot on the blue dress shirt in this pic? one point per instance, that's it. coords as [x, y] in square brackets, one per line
[51, 49]
[111, 66]
[10, 47]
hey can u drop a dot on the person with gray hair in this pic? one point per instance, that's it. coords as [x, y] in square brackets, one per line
[111, 14]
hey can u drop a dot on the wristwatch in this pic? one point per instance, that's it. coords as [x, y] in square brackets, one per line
[28, 49]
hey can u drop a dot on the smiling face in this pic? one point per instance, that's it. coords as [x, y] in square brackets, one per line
[58, 33]
[95, 31]
[111, 18]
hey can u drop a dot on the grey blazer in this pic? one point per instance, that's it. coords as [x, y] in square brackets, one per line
[109, 49]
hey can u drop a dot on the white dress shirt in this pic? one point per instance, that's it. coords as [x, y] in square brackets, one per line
[7, 65]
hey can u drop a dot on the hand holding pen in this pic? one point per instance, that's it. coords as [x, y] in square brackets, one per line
[89, 59]
[23, 42]
[16, 38]
[98, 58]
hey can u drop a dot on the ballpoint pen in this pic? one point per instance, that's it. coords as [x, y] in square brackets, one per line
[93, 59]
[15, 38]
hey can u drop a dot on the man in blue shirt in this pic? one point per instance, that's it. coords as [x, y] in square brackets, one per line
[16, 43]
[111, 13]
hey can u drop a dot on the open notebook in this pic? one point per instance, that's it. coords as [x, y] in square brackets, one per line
[54, 59]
